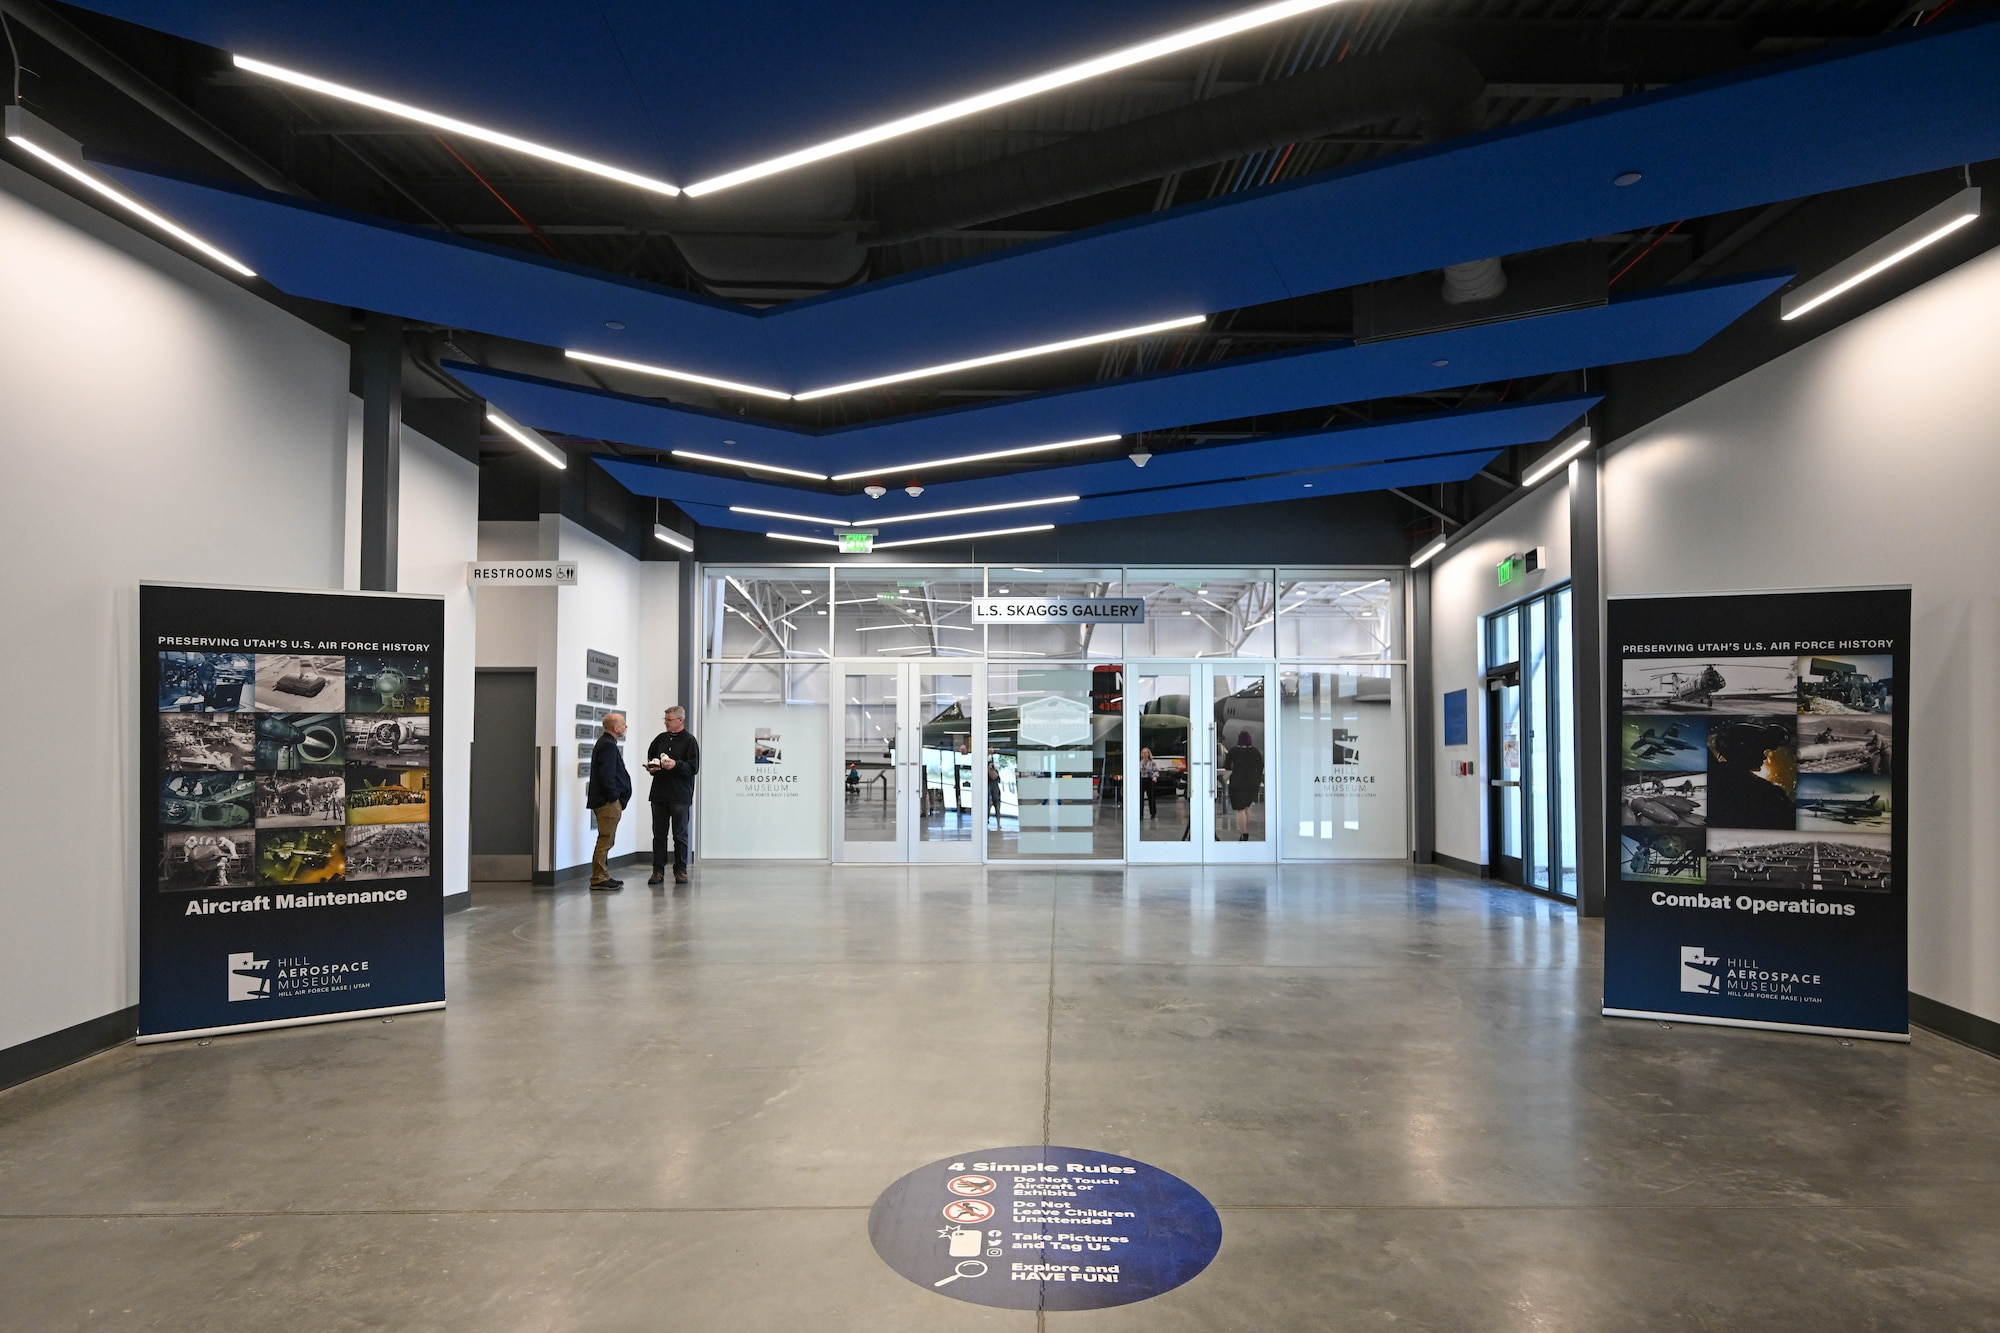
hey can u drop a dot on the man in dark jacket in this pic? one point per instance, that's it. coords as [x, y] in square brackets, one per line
[673, 759]
[610, 792]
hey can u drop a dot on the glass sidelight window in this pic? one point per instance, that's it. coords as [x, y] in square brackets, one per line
[1531, 752]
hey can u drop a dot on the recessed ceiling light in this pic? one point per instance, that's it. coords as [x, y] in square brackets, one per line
[1063, 77]
[666, 372]
[614, 323]
[20, 124]
[1441, 362]
[453, 126]
[739, 462]
[1000, 358]
[969, 458]
[1625, 178]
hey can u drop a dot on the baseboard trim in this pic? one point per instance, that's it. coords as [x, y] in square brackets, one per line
[45, 1055]
[546, 878]
[1981, 1034]
[1472, 868]
[457, 902]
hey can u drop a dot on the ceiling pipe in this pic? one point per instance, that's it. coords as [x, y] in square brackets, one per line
[1423, 80]
[79, 46]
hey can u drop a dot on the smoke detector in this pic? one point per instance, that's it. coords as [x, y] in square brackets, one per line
[913, 490]
[874, 492]
[1140, 456]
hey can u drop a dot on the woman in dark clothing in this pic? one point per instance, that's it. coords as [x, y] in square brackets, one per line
[1246, 781]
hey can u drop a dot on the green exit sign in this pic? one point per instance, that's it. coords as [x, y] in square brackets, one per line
[857, 543]
[1508, 569]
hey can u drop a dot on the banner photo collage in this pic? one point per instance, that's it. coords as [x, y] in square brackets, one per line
[1757, 788]
[291, 823]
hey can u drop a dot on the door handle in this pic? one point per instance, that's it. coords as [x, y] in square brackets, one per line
[1505, 782]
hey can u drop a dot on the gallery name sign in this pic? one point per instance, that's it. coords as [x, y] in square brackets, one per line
[521, 573]
[1058, 611]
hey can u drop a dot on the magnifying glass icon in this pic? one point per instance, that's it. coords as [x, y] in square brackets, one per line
[965, 1268]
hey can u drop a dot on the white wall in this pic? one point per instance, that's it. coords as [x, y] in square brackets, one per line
[604, 611]
[1465, 586]
[159, 423]
[1869, 456]
[437, 534]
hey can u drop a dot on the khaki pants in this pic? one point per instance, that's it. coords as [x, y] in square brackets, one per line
[608, 816]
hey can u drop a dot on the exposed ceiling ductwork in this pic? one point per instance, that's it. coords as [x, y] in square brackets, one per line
[1425, 81]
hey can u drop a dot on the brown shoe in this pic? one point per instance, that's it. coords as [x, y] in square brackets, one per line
[656, 878]
[680, 877]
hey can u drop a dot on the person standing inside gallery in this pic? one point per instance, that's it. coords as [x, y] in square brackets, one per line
[609, 793]
[1245, 770]
[673, 759]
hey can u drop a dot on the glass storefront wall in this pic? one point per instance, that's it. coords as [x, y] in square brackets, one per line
[1325, 778]
[764, 761]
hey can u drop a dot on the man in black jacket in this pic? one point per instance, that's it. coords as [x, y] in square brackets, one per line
[610, 792]
[673, 759]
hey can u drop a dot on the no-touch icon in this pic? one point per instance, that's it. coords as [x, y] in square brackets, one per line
[971, 1185]
[968, 1210]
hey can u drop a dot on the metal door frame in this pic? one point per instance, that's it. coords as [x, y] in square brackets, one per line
[1205, 849]
[907, 848]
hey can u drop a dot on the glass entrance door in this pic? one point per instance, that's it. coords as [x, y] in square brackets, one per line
[907, 787]
[1197, 742]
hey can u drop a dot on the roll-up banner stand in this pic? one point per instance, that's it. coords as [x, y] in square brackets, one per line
[290, 824]
[1759, 782]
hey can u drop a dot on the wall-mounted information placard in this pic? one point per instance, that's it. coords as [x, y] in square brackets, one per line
[1758, 871]
[289, 826]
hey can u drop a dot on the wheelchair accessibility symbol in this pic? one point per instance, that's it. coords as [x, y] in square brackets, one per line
[968, 1211]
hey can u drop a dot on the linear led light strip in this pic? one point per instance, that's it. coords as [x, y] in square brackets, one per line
[754, 467]
[976, 458]
[533, 440]
[905, 518]
[1926, 229]
[18, 124]
[916, 541]
[453, 126]
[1000, 358]
[1014, 92]
[666, 373]
[1549, 466]
[901, 376]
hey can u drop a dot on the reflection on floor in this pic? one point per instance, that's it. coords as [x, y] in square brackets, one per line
[672, 1109]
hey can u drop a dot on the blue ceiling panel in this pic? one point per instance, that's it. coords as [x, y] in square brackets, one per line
[1665, 322]
[1485, 428]
[1165, 500]
[678, 88]
[1915, 100]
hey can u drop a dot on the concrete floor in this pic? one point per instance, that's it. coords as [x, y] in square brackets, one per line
[673, 1111]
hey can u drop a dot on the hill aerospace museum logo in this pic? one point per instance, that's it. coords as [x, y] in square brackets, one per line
[253, 978]
[1698, 971]
[1703, 973]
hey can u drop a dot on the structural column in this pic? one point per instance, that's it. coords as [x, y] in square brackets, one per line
[1423, 723]
[380, 353]
[1587, 647]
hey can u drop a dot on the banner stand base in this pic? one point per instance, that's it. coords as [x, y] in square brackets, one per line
[1862, 1033]
[147, 1038]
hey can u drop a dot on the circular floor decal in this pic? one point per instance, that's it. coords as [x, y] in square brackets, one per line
[1061, 1229]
